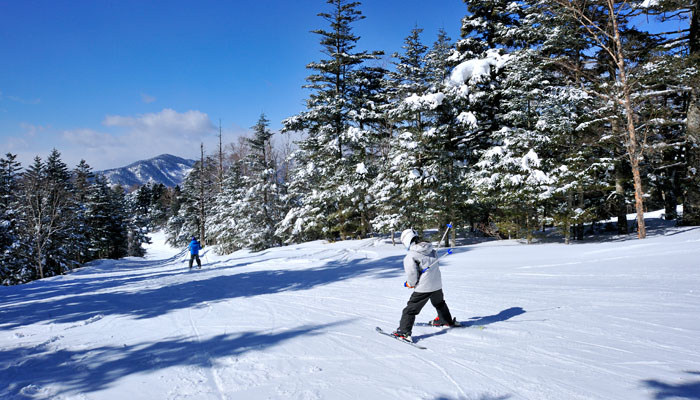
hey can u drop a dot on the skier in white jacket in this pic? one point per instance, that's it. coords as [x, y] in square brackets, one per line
[426, 284]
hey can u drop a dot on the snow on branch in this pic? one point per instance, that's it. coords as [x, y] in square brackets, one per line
[477, 69]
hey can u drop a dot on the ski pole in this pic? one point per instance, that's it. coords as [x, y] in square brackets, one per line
[449, 251]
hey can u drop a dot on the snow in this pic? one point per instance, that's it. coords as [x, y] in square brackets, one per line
[600, 319]
[478, 69]
[468, 119]
[430, 100]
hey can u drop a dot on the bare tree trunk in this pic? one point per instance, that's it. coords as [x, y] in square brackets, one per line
[691, 201]
[581, 204]
[603, 35]
[621, 204]
[633, 149]
[567, 223]
[454, 229]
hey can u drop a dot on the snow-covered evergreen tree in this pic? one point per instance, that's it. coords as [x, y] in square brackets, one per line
[471, 111]
[102, 222]
[229, 207]
[328, 156]
[78, 243]
[15, 249]
[401, 186]
[197, 195]
[261, 206]
[680, 53]
[47, 198]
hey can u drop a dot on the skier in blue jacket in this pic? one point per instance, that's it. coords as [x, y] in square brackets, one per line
[194, 252]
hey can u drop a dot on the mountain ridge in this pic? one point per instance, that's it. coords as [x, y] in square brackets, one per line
[167, 169]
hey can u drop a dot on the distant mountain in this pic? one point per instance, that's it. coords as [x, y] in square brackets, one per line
[166, 169]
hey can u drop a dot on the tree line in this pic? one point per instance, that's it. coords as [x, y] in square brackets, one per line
[53, 219]
[544, 113]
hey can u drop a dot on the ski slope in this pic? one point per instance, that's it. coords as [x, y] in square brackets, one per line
[613, 319]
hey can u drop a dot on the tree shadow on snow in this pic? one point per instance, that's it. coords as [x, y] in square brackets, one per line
[682, 390]
[79, 302]
[97, 368]
[122, 271]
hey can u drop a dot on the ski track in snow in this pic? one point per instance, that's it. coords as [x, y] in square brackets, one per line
[588, 321]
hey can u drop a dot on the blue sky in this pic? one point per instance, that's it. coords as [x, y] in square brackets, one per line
[118, 81]
[115, 81]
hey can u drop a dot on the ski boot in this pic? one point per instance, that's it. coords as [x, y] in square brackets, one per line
[406, 337]
[438, 322]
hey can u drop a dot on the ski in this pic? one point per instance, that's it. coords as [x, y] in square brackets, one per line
[416, 345]
[461, 325]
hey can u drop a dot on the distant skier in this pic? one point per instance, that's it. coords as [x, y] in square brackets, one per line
[426, 285]
[194, 252]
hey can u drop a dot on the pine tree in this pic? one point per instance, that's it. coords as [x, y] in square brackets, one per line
[446, 154]
[197, 195]
[401, 187]
[48, 201]
[100, 219]
[470, 116]
[681, 54]
[262, 210]
[691, 205]
[226, 224]
[78, 243]
[61, 206]
[327, 156]
[15, 249]
[605, 25]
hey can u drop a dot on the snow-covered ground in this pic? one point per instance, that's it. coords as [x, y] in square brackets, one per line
[615, 319]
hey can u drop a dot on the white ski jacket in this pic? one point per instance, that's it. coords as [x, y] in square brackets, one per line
[421, 255]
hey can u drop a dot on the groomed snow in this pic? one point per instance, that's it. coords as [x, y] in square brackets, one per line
[613, 319]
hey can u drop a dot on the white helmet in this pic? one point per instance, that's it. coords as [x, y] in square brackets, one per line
[407, 236]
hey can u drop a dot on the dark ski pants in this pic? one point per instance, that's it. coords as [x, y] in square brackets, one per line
[195, 257]
[416, 303]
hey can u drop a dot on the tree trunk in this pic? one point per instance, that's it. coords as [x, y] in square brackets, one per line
[581, 204]
[691, 203]
[632, 146]
[668, 192]
[621, 204]
[567, 223]
[452, 221]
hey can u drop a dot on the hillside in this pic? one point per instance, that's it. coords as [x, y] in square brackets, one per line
[166, 169]
[597, 320]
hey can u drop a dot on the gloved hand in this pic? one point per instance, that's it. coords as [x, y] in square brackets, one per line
[405, 284]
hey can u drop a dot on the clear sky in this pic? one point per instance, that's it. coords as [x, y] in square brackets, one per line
[115, 81]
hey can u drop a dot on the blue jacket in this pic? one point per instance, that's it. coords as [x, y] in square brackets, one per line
[194, 247]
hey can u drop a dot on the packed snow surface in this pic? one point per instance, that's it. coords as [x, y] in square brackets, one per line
[603, 319]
